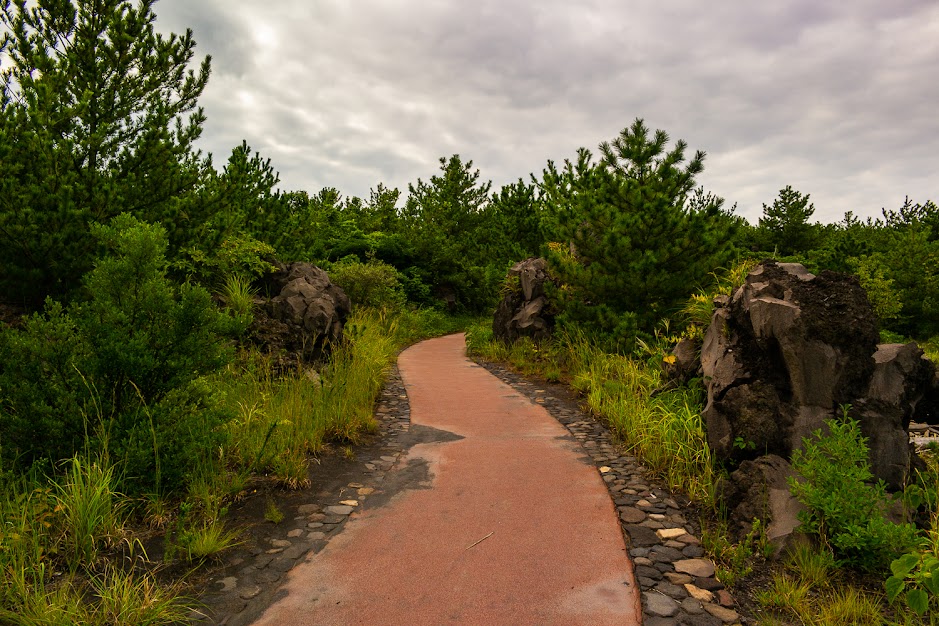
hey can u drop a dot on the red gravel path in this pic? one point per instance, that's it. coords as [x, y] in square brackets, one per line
[550, 547]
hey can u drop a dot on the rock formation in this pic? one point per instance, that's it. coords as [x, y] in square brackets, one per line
[524, 311]
[785, 353]
[304, 314]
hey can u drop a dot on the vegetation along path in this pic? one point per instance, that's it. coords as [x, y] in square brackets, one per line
[505, 520]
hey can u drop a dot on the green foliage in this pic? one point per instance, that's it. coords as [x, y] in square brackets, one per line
[699, 308]
[787, 594]
[28, 534]
[47, 525]
[631, 237]
[447, 219]
[46, 401]
[813, 566]
[91, 512]
[843, 508]
[97, 117]
[122, 370]
[272, 513]
[240, 256]
[911, 261]
[238, 295]
[880, 291]
[735, 561]
[373, 284]
[897, 261]
[786, 223]
[915, 575]
[516, 231]
[207, 540]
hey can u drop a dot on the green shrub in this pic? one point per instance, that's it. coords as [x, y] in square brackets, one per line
[46, 400]
[373, 284]
[843, 507]
[117, 372]
[240, 255]
[917, 572]
[165, 443]
[880, 289]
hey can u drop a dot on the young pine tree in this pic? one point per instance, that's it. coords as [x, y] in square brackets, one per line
[98, 115]
[447, 217]
[630, 236]
[785, 225]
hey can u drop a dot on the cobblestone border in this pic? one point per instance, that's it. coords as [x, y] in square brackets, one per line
[249, 581]
[677, 583]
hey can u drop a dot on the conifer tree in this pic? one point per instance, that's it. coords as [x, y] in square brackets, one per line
[444, 217]
[98, 115]
[517, 216]
[786, 223]
[630, 236]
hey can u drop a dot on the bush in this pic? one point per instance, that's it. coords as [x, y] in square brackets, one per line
[117, 371]
[880, 291]
[843, 507]
[373, 284]
[241, 256]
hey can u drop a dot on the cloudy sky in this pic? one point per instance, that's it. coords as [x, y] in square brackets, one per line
[838, 99]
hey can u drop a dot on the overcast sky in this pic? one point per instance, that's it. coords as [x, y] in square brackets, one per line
[838, 99]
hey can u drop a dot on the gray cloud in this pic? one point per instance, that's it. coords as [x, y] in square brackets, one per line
[837, 100]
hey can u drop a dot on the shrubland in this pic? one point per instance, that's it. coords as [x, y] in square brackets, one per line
[128, 396]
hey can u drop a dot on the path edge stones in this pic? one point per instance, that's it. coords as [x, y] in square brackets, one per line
[677, 584]
[676, 580]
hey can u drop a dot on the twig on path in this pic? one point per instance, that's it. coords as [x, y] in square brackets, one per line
[481, 540]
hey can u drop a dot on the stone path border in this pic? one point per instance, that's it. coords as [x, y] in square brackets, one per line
[676, 580]
[677, 584]
[248, 582]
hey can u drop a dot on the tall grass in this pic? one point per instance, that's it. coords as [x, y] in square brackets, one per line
[92, 515]
[27, 537]
[54, 531]
[280, 420]
[664, 429]
[47, 526]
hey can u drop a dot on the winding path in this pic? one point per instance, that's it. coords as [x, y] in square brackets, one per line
[504, 521]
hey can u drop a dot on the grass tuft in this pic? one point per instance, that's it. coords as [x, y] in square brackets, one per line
[92, 514]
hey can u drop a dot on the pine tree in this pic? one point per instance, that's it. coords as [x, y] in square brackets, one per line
[98, 115]
[445, 218]
[517, 214]
[630, 236]
[786, 223]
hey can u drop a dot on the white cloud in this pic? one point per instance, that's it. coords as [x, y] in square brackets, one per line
[836, 100]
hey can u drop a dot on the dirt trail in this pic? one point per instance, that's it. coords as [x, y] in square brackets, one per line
[502, 520]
